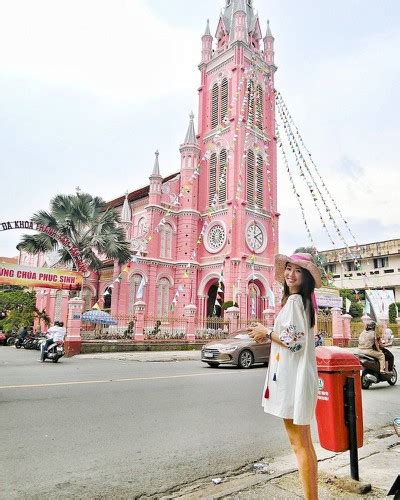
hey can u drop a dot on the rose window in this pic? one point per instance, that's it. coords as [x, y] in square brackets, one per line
[216, 237]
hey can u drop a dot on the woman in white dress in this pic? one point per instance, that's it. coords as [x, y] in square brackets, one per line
[291, 385]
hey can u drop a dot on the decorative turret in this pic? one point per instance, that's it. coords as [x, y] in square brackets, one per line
[155, 182]
[207, 41]
[190, 153]
[269, 46]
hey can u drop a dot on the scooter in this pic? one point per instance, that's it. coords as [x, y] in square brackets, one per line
[371, 373]
[55, 351]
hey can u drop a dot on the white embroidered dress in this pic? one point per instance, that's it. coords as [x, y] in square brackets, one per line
[291, 385]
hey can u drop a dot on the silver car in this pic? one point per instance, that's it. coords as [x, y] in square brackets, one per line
[238, 349]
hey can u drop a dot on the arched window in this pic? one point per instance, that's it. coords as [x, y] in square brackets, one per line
[260, 182]
[87, 299]
[224, 100]
[250, 179]
[134, 284]
[251, 100]
[260, 107]
[213, 178]
[163, 297]
[254, 305]
[166, 233]
[58, 305]
[222, 176]
[214, 106]
[107, 298]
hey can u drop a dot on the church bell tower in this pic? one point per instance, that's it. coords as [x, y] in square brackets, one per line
[236, 135]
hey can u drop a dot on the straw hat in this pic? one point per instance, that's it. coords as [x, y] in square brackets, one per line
[303, 260]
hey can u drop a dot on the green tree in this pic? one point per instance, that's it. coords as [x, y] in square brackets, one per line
[17, 308]
[356, 307]
[88, 223]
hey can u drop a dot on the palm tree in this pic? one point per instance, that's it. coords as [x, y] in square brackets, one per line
[87, 222]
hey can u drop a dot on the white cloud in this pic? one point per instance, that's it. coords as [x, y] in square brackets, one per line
[112, 48]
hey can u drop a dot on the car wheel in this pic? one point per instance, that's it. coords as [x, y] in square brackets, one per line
[246, 359]
[365, 383]
[393, 378]
[213, 365]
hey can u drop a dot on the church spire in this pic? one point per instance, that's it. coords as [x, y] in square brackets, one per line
[156, 168]
[126, 214]
[190, 134]
[269, 33]
[207, 32]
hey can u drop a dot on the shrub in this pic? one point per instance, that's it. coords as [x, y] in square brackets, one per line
[229, 303]
[392, 313]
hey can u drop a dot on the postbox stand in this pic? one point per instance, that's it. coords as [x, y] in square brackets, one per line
[351, 422]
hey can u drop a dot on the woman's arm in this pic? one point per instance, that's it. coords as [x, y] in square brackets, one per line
[260, 334]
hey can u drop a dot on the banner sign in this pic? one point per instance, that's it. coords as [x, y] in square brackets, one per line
[53, 233]
[379, 302]
[12, 274]
[328, 298]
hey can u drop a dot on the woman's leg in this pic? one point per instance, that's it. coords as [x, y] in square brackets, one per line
[301, 442]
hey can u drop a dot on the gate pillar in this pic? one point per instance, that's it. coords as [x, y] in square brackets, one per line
[233, 318]
[190, 313]
[73, 340]
[337, 326]
[139, 308]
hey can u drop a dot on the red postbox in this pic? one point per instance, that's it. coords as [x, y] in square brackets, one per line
[335, 365]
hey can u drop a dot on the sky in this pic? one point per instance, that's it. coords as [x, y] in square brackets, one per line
[89, 89]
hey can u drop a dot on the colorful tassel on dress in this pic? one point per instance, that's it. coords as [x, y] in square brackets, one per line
[277, 357]
[266, 394]
[274, 378]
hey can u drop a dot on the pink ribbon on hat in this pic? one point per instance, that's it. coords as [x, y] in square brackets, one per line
[296, 256]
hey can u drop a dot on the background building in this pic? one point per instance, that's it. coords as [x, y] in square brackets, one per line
[373, 265]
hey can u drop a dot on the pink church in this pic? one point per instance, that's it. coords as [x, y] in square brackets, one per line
[207, 234]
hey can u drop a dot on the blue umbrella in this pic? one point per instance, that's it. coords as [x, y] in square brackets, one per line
[98, 317]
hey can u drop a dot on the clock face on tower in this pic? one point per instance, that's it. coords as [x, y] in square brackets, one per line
[255, 237]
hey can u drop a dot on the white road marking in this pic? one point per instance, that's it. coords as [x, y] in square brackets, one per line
[135, 379]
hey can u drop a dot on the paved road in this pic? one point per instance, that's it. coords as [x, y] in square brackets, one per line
[87, 428]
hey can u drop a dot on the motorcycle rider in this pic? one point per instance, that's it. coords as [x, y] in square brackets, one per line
[389, 358]
[55, 333]
[23, 332]
[368, 344]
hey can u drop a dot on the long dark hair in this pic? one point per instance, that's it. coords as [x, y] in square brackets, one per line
[306, 289]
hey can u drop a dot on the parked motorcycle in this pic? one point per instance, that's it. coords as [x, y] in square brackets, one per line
[55, 351]
[371, 373]
[19, 342]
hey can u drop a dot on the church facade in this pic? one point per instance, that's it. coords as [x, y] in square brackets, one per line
[208, 234]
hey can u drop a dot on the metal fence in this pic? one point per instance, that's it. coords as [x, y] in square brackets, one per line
[212, 328]
[246, 323]
[324, 326]
[165, 328]
[123, 330]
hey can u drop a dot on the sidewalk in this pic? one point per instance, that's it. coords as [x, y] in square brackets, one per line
[146, 356]
[379, 465]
